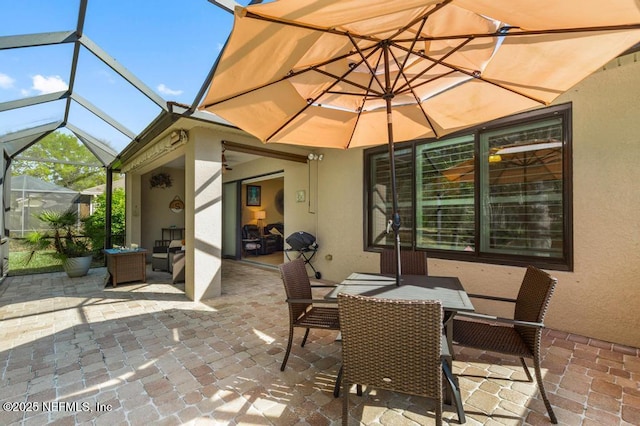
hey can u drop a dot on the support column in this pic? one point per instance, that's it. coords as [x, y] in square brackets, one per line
[108, 209]
[203, 215]
[133, 191]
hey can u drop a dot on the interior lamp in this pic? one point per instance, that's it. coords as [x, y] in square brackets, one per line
[261, 215]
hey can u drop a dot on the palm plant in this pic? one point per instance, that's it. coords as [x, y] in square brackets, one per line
[66, 242]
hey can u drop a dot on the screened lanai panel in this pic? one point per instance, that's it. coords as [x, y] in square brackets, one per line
[16, 142]
[31, 196]
[33, 116]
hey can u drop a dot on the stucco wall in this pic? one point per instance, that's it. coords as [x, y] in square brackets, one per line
[601, 297]
[156, 213]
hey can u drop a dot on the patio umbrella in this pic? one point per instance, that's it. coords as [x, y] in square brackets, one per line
[356, 73]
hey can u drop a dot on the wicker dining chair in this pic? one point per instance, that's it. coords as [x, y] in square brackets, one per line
[411, 262]
[393, 345]
[303, 311]
[519, 336]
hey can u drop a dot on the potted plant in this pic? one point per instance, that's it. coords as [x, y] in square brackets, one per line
[74, 252]
[161, 180]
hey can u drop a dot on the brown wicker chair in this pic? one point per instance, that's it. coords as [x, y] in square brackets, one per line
[302, 311]
[394, 345]
[411, 262]
[519, 336]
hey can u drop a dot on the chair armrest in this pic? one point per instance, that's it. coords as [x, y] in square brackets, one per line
[332, 302]
[495, 298]
[174, 249]
[499, 319]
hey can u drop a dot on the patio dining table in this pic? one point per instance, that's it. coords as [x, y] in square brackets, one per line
[448, 290]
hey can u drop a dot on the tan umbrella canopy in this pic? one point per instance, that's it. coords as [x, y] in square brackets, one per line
[355, 73]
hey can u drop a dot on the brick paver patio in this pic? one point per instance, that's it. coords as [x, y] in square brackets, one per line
[73, 352]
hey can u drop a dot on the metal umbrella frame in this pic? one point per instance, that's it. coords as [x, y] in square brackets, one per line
[355, 73]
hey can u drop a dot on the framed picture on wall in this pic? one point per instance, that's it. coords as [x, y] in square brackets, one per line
[253, 195]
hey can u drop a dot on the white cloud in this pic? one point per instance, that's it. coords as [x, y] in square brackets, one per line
[167, 91]
[51, 84]
[6, 82]
[220, 46]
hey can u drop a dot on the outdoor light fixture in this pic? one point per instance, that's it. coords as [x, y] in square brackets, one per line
[178, 136]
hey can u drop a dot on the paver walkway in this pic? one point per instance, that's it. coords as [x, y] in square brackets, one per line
[73, 352]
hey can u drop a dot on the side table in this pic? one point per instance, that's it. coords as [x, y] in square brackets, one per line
[126, 265]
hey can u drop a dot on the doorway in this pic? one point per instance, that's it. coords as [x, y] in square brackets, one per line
[253, 220]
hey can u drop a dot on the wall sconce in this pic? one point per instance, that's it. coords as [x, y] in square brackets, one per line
[315, 157]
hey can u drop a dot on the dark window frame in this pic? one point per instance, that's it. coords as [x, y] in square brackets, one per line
[564, 263]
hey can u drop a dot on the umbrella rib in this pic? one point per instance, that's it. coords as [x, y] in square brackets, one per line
[364, 99]
[477, 76]
[371, 70]
[530, 32]
[423, 18]
[406, 58]
[415, 96]
[307, 26]
[407, 89]
[435, 63]
[342, 78]
[359, 86]
[286, 77]
[312, 101]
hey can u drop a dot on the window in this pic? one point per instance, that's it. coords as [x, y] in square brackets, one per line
[495, 194]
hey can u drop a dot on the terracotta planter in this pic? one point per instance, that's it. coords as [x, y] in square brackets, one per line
[77, 266]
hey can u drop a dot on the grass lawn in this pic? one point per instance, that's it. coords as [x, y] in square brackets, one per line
[42, 262]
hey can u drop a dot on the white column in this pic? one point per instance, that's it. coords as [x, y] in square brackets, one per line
[133, 201]
[203, 214]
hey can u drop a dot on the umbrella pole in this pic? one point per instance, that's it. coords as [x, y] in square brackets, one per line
[395, 221]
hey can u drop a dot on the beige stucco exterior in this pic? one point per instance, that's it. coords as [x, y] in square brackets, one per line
[600, 298]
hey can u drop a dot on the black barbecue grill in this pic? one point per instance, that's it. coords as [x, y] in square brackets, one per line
[305, 245]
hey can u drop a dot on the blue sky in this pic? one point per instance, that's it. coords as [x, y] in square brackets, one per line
[168, 44]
